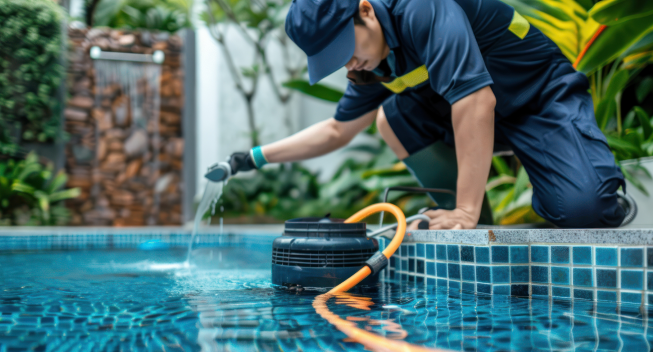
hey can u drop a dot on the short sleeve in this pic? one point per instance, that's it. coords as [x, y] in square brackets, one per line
[359, 100]
[442, 37]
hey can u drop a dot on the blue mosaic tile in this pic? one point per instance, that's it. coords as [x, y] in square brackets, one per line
[501, 289]
[606, 256]
[632, 257]
[649, 256]
[430, 251]
[469, 272]
[632, 279]
[442, 270]
[393, 262]
[606, 278]
[519, 273]
[420, 266]
[411, 250]
[606, 296]
[583, 294]
[467, 253]
[430, 268]
[582, 255]
[419, 250]
[404, 277]
[411, 278]
[483, 274]
[404, 250]
[650, 300]
[483, 288]
[499, 254]
[649, 281]
[404, 265]
[441, 252]
[442, 283]
[430, 281]
[397, 276]
[452, 252]
[560, 254]
[419, 280]
[519, 290]
[500, 274]
[631, 297]
[518, 254]
[583, 277]
[559, 275]
[469, 287]
[560, 292]
[411, 265]
[540, 254]
[540, 290]
[454, 285]
[454, 271]
[540, 274]
[483, 255]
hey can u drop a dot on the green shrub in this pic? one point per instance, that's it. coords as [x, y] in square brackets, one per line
[30, 71]
[31, 194]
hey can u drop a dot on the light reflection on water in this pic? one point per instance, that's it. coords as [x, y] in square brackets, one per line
[132, 300]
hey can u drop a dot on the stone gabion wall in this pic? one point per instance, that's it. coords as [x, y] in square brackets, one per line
[129, 175]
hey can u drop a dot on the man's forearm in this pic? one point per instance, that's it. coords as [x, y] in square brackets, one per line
[316, 140]
[473, 125]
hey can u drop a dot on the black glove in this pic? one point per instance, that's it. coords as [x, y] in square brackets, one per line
[241, 161]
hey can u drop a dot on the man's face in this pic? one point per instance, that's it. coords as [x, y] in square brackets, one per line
[371, 47]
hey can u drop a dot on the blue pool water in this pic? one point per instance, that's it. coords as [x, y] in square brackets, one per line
[110, 299]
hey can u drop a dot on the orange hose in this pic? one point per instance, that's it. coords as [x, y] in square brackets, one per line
[589, 43]
[366, 338]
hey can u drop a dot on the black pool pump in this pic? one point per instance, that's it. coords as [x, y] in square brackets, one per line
[321, 252]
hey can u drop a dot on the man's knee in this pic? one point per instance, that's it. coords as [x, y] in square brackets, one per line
[588, 207]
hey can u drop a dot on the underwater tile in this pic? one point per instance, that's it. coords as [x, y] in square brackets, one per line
[483, 274]
[540, 290]
[583, 277]
[411, 278]
[560, 254]
[632, 256]
[518, 254]
[393, 261]
[441, 252]
[499, 254]
[606, 278]
[649, 256]
[519, 273]
[454, 271]
[500, 274]
[430, 281]
[650, 300]
[560, 292]
[540, 274]
[606, 296]
[631, 297]
[469, 287]
[540, 254]
[584, 294]
[419, 248]
[483, 255]
[411, 250]
[582, 255]
[519, 290]
[430, 251]
[469, 272]
[404, 265]
[649, 280]
[404, 250]
[560, 275]
[452, 253]
[404, 277]
[430, 268]
[419, 280]
[501, 289]
[411, 265]
[442, 270]
[443, 283]
[606, 256]
[484, 288]
[420, 266]
[467, 253]
[632, 279]
[454, 285]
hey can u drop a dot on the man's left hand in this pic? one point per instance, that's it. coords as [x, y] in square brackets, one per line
[457, 219]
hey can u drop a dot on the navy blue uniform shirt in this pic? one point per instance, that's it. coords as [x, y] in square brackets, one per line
[462, 46]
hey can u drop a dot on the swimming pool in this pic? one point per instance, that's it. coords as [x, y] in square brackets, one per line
[114, 297]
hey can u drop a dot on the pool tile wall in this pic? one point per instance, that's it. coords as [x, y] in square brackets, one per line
[599, 265]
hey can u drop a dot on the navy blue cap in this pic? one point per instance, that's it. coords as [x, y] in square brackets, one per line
[324, 30]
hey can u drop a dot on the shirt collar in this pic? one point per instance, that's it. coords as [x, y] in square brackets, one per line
[383, 16]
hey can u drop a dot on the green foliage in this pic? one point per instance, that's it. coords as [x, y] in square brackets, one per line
[160, 15]
[30, 71]
[31, 194]
[317, 90]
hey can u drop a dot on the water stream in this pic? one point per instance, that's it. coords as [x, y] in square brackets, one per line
[210, 198]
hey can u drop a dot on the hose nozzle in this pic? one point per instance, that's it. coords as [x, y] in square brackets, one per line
[218, 172]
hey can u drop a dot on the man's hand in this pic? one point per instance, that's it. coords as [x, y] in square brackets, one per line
[457, 219]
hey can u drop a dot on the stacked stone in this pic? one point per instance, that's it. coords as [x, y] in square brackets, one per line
[128, 176]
